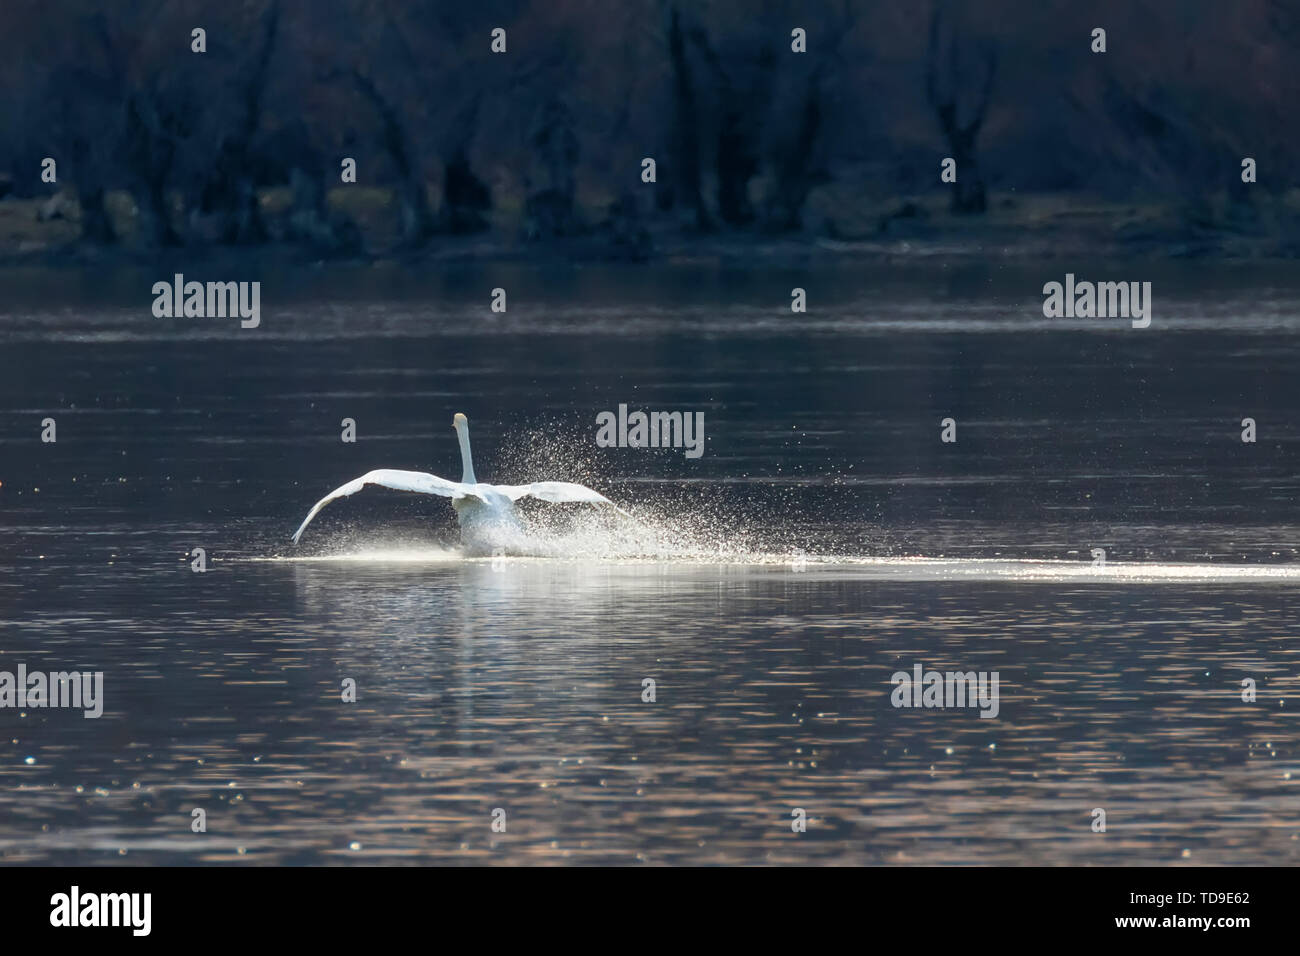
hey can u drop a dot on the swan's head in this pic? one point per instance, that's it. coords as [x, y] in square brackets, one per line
[459, 421]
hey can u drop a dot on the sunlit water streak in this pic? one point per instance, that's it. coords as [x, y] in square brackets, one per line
[907, 569]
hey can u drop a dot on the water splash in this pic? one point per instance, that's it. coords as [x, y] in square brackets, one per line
[690, 523]
[674, 521]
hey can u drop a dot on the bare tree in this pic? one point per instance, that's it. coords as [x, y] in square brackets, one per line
[435, 47]
[465, 197]
[154, 129]
[549, 210]
[793, 153]
[229, 190]
[83, 126]
[741, 116]
[951, 68]
[794, 176]
[417, 223]
[686, 134]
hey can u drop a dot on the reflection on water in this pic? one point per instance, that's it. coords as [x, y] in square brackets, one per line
[517, 683]
[520, 687]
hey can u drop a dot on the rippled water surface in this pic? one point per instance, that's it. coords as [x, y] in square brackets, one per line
[770, 589]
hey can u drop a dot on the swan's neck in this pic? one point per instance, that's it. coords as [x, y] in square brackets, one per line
[467, 474]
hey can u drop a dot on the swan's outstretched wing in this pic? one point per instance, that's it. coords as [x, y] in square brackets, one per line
[417, 481]
[558, 491]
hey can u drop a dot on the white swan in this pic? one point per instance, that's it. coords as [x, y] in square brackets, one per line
[486, 513]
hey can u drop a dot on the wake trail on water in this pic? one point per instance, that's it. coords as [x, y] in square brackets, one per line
[585, 538]
[692, 525]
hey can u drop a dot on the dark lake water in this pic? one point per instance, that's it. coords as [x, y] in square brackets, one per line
[826, 539]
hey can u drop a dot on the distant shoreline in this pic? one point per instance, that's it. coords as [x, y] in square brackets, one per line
[1038, 227]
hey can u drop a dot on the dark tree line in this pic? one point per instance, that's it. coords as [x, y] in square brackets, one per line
[551, 134]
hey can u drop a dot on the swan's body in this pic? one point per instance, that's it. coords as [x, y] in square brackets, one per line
[486, 513]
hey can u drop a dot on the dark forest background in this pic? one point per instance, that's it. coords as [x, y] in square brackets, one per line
[158, 146]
